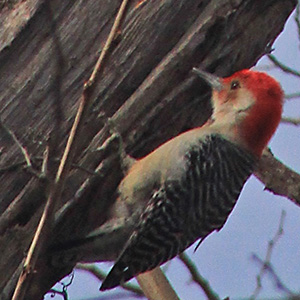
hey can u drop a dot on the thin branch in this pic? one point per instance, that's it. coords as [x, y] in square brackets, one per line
[278, 282]
[45, 162]
[18, 143]
[66, 161]
[54, 292]
[110, 40]
[98, 273]
[292, 96]
[140, 3]
[201, 281]
[64, 291]
[267, 259]
[282, 66]
[293, 121]
[23, 150]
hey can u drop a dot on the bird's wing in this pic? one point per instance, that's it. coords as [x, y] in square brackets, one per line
[185, 208]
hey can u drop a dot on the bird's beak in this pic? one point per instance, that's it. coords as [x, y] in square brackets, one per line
[214, 81]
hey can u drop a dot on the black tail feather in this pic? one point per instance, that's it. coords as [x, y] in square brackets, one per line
[117, 275]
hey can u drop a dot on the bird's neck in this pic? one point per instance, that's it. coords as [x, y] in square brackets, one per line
[229, 127]
[259, 126]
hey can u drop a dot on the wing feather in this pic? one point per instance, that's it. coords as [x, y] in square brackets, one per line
[185, 209]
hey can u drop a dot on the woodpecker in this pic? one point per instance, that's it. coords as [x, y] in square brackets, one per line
[192, 182]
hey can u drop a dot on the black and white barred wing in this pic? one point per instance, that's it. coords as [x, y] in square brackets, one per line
[185, 208]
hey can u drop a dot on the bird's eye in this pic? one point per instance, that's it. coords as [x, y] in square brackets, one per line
[234, 85]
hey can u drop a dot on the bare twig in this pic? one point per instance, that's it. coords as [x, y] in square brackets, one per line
[110, 39]
[293, 121]
[64, 291]
[54, 292]
[282, 66]
[278, 282]
[202, 282]
[45, 162]
[18, 143]
[267, 259]
[97, 272]
[57, 186]
[24, 151]
[292, 96]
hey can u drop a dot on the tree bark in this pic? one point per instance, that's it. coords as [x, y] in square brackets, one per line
[47, 51]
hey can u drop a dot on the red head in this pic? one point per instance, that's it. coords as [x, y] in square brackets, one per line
[264, 116]
[252, 103]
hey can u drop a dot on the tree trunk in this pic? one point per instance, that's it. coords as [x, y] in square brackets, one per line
[47, 51]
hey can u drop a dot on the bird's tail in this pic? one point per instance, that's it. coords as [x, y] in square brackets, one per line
[119, 274]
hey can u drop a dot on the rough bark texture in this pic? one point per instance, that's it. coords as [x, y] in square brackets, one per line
[47, 51]
[278, 178]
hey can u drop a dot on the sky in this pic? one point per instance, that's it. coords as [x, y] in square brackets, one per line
[224, 258]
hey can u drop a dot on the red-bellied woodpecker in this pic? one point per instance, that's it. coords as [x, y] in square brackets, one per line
[192, 182]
